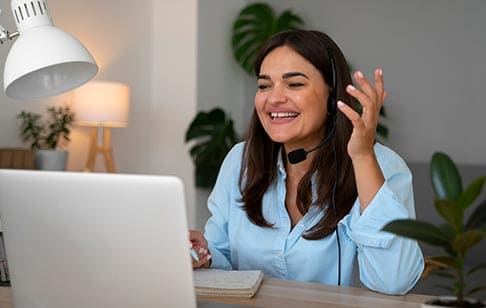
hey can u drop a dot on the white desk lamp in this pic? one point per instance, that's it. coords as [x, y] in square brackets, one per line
[44, 60]
[101, 104]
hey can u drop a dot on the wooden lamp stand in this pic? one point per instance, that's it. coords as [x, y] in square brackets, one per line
[100, 143]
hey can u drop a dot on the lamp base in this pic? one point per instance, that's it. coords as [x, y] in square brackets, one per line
[103, 146]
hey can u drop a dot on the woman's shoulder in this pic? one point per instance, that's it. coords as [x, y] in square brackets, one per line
[236, 152]
[234, 156]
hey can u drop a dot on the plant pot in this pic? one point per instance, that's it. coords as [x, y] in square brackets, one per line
[53, 160]
[449, 301]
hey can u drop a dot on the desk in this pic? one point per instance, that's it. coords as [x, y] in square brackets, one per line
[283, 293]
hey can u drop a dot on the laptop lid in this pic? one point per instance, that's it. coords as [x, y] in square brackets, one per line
[95, 240]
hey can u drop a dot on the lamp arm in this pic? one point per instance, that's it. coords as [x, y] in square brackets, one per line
[5, 35]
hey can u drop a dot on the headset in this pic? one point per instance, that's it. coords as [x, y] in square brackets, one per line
[300, 155]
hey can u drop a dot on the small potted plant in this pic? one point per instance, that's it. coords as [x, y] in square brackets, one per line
[456, 236]
[46, 137]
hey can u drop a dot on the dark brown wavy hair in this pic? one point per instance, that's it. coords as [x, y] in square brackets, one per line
[259, 164]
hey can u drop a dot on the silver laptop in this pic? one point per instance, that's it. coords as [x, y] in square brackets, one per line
[95, 240]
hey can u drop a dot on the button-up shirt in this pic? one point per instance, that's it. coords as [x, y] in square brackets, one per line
[386, 263]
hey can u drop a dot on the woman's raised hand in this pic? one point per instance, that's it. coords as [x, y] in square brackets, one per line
[371, 98]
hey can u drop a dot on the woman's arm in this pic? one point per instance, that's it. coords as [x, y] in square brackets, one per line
[387, 263]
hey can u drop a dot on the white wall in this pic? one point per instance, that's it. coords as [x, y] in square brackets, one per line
[151, 46]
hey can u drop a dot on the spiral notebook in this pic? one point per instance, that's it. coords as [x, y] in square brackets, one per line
[226, 283]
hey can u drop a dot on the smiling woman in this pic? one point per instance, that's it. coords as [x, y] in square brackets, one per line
[312, 213]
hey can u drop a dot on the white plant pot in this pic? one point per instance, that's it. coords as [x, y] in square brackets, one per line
[428, 304]
[53, 160]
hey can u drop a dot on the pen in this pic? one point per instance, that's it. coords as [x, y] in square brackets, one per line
[194, 254]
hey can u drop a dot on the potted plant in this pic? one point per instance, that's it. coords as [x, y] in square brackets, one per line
[456, 236]
[46, 137]
[214, 135]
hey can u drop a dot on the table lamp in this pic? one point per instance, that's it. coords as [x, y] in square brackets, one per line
[102, 105]
[44, 60]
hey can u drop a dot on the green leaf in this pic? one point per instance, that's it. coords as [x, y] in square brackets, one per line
[451, 212]
[446, 181]
[477, 220]
[477, 268]
[254, 25]
[467, 240]
[418, 230]
[443, 274]
[448, 231]
[475, 290]
[288, 21]
[448, 261]
[213, 135]
[472, 192]
[382, 130]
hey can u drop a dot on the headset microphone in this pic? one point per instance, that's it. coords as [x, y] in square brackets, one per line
[300, 155]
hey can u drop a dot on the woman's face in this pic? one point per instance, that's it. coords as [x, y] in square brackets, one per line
[291, 100]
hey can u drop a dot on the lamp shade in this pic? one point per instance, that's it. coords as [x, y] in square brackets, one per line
[44, 60]
[102, 103]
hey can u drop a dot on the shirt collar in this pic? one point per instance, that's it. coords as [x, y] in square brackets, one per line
[280, 162]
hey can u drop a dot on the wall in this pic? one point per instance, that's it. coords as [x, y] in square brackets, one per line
[134, 42]
[173, 81]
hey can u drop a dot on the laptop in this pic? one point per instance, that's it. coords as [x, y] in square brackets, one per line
[96, 240]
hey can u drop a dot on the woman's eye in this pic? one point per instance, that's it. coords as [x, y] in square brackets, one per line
[263, 87]
[295, 84]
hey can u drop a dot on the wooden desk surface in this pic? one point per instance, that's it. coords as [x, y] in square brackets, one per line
[283, 293]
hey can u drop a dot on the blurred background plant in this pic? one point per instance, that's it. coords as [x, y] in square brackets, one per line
[46, 134]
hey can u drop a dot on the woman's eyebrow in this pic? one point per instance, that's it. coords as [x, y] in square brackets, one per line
[284, 76]
[266, 77]
[293, 74]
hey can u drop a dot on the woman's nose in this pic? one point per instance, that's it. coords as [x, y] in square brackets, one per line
[276, 95]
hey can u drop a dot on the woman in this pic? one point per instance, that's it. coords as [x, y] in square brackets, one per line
[309, 190]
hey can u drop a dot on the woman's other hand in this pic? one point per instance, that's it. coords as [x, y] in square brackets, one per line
[200, 245]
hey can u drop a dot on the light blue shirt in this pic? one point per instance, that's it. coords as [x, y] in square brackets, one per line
[387, 263]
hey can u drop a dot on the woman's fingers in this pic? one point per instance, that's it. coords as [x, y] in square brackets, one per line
[370, 97]
[351, 114]
[365, 86]
[203, 255]
[379, 86]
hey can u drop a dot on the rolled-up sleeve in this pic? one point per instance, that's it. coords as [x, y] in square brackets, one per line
[387, 263]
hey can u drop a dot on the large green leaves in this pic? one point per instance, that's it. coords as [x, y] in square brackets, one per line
[418, 230]
[446, 181]
[214, 136]
[467, 240]
[254, 25]
[451, 212]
